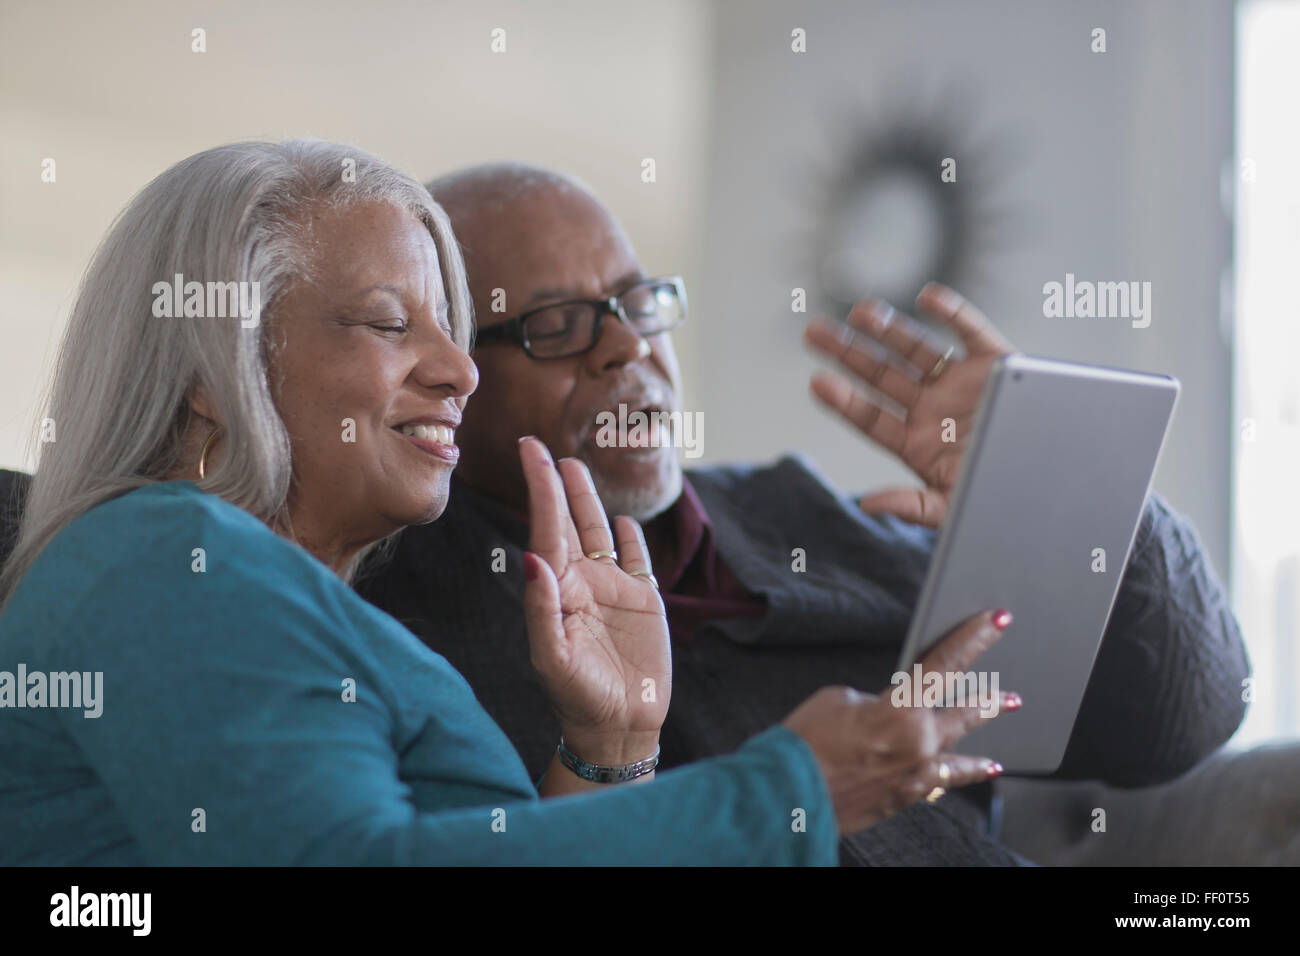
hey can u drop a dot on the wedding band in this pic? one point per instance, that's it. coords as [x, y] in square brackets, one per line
[940, 365]
[945, 774]
[934, 794]
[604, 553]
[648, 576]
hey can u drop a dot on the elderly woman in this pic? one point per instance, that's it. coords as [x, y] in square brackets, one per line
[216, 480]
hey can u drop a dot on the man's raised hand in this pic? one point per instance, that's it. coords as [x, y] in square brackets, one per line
[938, 391]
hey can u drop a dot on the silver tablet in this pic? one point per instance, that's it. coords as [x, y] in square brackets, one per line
[1041, 522]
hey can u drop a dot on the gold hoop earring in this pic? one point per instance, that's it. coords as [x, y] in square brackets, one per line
[203, 455]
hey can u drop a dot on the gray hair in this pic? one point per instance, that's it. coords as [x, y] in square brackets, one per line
[119, 398]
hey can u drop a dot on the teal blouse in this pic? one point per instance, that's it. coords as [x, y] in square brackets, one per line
[254, 710]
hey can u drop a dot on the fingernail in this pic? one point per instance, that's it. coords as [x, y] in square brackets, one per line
[530, 566]
[943, 297]
[524, 438]
[881, 311]
[994, 769]
[1001, 618]
[1013, 702]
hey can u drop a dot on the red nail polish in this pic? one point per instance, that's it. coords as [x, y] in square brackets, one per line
[995, 768]
[1013, 702]
[1001, 618]
[530, 565]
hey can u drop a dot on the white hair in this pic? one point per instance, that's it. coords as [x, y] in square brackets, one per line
[119, 397]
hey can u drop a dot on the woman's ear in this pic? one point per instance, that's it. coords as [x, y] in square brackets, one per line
[201, 404]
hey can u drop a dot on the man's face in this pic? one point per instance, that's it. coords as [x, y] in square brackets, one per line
[549, 246]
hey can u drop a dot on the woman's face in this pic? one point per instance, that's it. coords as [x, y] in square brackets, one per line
[368, 380]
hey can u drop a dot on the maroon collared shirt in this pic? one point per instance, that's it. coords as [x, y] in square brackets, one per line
[699, 587]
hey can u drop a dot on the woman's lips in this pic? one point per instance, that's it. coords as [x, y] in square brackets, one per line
[436, 440]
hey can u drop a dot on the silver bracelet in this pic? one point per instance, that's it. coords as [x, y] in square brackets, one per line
[598, 774]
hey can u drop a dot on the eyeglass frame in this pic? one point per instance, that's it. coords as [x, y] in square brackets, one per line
[512, 330]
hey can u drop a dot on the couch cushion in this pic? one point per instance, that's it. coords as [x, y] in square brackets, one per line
[1238, 808]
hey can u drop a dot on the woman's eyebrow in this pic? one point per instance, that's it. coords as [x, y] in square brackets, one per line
[395, 291]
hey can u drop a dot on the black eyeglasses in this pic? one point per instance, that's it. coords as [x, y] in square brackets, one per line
[565, 329]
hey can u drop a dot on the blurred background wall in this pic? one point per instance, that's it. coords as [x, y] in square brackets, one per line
[114, 94]
[798, 146]
[1104, 165]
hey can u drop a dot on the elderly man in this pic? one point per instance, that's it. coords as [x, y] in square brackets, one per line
[571, 327]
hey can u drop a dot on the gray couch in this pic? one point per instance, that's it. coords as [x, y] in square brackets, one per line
[1238, 808]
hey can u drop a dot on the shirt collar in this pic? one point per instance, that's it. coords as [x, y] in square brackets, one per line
[694, 536]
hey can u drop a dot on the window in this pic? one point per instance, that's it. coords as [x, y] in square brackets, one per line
[1266, 400]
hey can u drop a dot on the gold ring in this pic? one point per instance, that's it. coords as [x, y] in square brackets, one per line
[934, 794]
[939, 366]
[604, 553]
[648, 576]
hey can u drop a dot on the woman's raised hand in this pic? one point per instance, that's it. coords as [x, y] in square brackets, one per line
[877, 757]
[596, 625]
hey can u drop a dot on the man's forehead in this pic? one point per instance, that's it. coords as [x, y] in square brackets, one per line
[529, 223]
[545, 244]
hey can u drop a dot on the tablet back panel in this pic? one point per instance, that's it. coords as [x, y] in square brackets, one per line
[1053, 485]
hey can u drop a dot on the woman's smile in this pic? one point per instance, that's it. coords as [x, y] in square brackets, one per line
[436, 438]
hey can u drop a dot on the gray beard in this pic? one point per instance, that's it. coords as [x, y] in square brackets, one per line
[641, 503]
